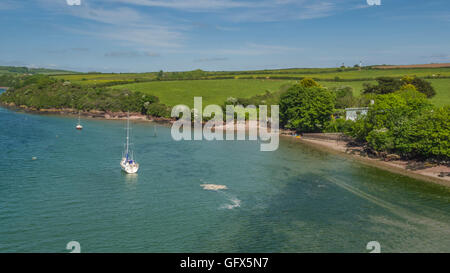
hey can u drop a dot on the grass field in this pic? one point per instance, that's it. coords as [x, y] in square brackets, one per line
[356, 85]
[442, 87]
[213, 91]
[363, 74]
[98, 78]
[317, 73]
[217, 91]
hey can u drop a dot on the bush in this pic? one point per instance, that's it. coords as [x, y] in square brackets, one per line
[157, 110]
[425, 136]
[340, 125]
[344, 97]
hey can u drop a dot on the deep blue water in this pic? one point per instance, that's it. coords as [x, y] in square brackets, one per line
[297, 199]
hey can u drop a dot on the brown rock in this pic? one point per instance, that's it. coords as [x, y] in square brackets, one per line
[391, 157]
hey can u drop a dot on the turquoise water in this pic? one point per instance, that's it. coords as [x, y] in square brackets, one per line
[296, 199]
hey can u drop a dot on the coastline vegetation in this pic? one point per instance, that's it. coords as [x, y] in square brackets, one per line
[43, 92]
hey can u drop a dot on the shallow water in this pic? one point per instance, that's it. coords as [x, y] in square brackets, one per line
[297, 199]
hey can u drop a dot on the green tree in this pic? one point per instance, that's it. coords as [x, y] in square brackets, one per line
[306, 109]
[160, 75]
[420, 85]
[386, 85]
[425, 136]
[406, 123]
[344, 97]
[308, 82]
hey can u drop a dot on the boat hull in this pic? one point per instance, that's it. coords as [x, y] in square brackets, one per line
[129, 168]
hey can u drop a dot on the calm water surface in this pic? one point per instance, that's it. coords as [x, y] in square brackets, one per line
[296, 199]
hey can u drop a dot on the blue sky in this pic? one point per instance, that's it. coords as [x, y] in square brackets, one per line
[177, 35]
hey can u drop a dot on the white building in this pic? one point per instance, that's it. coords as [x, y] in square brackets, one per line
[353, 113]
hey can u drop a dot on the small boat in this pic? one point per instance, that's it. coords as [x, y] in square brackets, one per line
[128, 164]
[79, 126]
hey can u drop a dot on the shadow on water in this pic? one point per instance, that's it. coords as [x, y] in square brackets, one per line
[322, 213]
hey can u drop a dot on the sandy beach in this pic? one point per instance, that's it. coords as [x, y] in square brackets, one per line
[415, 169]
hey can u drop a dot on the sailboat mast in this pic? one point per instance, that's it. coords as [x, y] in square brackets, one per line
[128, 130]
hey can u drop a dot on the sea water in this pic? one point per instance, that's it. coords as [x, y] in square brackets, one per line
[58, 185]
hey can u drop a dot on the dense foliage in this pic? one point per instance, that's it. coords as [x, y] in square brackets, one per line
[406, 123]
[346, 99]
[306, 109]
[388, 85]
[42, 92]
[27, 70]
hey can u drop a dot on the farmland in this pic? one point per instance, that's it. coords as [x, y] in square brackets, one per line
[217, 91]
[216, 86]
[103, 78]
[213, 91]
[328, 74]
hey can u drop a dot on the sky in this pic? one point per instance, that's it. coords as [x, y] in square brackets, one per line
[180, 35]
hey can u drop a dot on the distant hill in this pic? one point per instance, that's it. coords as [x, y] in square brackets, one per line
[413, 66]
[26, 70]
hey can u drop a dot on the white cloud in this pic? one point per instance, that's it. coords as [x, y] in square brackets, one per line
[73, 2]
[126, 25]
[196, 5]
[130, 54]
[252, 11]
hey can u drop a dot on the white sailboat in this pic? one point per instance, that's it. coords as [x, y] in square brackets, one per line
[128, 164]
[79, 126]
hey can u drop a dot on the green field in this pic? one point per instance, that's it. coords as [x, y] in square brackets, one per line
[362, 74]
[213, 91]
[442, 87]
[356, 85]
[217, 91]
[316, 73]
[100, 78]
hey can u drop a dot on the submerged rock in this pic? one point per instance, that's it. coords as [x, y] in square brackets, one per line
[213, 187]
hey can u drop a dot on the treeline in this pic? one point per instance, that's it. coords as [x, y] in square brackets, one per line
[26, 70]
[201, 74]
[43, 92]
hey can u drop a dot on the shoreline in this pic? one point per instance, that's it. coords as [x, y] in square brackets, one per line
[94, 114]
[411, 168]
